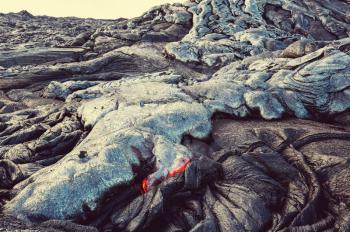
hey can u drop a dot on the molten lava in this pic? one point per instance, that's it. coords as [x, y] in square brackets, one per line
[172, 173]
[144, 185]
[181, 169]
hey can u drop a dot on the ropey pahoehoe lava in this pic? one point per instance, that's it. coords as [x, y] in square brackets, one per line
[208, 115]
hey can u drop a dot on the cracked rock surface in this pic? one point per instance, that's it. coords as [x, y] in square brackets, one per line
[209, 115]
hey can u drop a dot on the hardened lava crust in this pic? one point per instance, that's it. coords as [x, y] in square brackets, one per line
[209, 115]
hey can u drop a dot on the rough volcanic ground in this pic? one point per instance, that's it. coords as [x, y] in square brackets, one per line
[212, 115]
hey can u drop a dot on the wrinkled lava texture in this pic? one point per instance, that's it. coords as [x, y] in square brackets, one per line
[210, 115]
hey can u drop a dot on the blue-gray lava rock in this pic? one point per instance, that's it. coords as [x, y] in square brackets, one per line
[209, 115]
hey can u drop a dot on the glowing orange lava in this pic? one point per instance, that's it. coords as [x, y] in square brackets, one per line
[172, 173]
[144, 185]
[182, 168]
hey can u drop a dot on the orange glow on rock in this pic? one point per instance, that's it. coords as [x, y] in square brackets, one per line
[145, 185]
[181, 169]
[172, 173]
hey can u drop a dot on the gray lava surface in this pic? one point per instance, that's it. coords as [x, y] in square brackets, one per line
[209, 115]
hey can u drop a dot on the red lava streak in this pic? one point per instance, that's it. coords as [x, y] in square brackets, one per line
[182, 168]
[144, 185]
[172, 173]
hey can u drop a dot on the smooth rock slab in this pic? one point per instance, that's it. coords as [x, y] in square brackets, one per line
[38, 55]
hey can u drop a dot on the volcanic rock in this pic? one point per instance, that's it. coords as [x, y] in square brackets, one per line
[210, 115]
